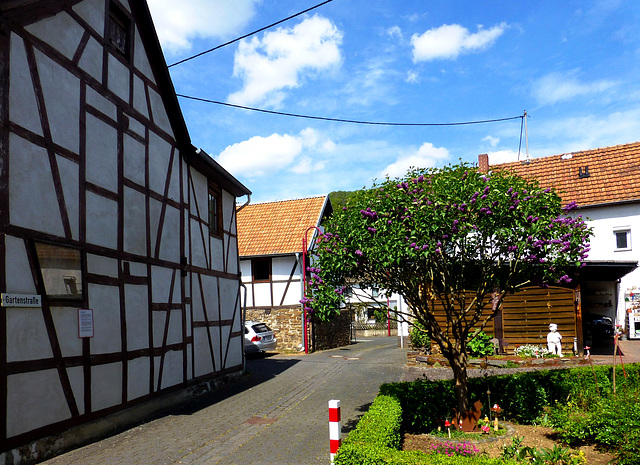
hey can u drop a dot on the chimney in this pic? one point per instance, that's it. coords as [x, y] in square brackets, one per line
[483, 163]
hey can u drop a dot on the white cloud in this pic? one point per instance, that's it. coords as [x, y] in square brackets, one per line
[395, 31]
[425, 157]
[492, 141]
[412, 77]
[261, 156]
[177, 23]
[504, 156]
[557, 87]
[279, 60]
[448, 41]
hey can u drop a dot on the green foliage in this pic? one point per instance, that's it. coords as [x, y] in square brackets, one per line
[339, 198]
[376, 441]
[557, 455]
[419, 337]
[480, 345]
[612, 421]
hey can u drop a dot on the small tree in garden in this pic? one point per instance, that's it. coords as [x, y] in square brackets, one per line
[452, 237]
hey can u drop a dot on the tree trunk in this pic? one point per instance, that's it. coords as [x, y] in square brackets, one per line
[458, 361]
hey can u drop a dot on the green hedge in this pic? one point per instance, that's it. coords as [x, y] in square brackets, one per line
[377, 437]
[522, 396]
[417, 406]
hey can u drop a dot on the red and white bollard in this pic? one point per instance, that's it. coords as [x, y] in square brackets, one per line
[334, 427]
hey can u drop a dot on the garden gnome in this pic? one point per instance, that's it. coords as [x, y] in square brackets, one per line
[553, 340]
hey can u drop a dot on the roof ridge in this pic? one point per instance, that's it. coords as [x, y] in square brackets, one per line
[312, 197]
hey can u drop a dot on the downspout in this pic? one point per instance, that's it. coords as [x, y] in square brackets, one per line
[244, 318]
[244, 204]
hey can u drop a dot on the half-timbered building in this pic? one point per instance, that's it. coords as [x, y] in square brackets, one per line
[271, 242]
[119, 268]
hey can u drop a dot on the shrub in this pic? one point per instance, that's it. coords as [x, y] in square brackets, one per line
[419, 337]
[480, 345]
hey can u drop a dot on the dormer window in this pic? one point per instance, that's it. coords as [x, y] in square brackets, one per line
[119, 32]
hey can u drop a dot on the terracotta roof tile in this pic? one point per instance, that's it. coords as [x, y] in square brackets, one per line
[613, 174]
[278, 227]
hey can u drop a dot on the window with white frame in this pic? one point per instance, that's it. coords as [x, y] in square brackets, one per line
[622, 238]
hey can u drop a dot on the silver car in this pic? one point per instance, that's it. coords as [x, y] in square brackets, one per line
[258, 338]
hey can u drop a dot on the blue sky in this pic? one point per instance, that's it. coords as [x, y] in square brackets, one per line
[574, 66]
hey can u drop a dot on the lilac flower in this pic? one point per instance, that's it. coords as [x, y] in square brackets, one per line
[564, 279]
[359, 253]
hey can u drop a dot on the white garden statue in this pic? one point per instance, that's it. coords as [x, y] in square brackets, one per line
[554, 339]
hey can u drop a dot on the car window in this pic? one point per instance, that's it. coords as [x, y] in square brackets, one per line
[260, 328]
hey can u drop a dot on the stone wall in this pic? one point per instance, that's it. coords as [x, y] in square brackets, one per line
[334, 333]
[285, 322]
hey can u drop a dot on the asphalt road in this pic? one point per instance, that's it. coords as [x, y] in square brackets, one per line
[277, 414]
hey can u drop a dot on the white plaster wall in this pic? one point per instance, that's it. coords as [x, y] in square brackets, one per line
[23, 109]
[118, 77]
[159, 155]
[229, 291]
[137, 317]
[134, 160]
[105, 266]
[218, 248]
[158, 111]
[19, 278]
[102, 226]
[137, 126]
[138, 378]
[135, 222]
[203, 363]
[210, 291]
[100, 103]
[34, 400]
[30, 178]
[69, 175]
[106, 386]
[105, 302]
[26, 333]
[172, 370]
[65, 320]
[170, 245]
[92, 11]
[140, 97]
[161, 283]
[61, 91]
[91, 59]
[174, 333]
[102, 154]
[262, 294]
[140, 59]
[138, 269]
[61, 31]
[281, 267]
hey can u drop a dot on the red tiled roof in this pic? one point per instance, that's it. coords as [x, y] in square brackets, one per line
[278, 227]
[613, 174]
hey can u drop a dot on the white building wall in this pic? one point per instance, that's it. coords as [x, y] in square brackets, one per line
[605, 221]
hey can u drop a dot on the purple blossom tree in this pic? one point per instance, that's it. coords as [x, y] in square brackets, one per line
[450, 238]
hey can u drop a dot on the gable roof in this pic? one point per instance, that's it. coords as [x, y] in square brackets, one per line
[609, 174]
[277, 228]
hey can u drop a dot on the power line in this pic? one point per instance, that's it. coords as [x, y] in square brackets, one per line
[340, 120]
[249, 34]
